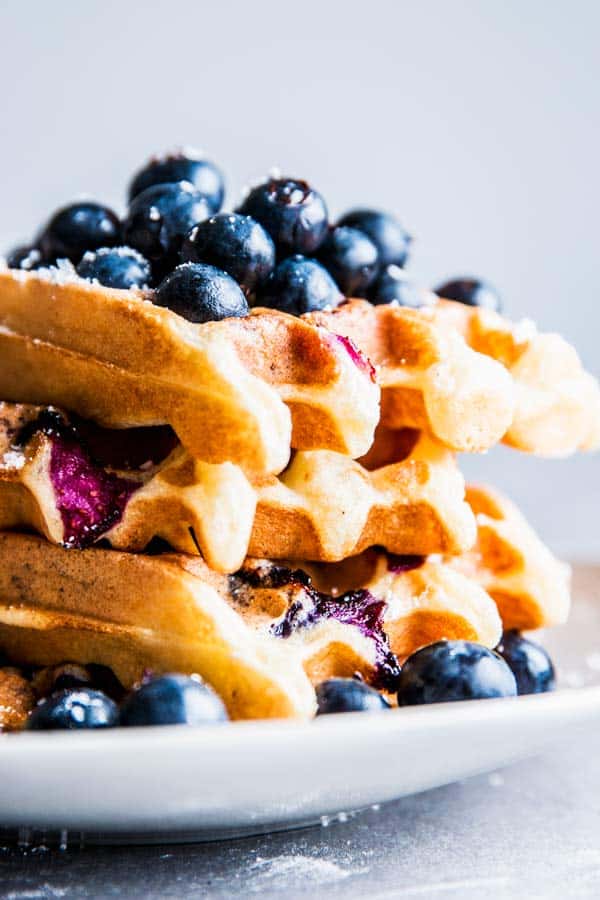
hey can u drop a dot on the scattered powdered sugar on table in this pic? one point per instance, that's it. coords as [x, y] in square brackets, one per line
[295, 869]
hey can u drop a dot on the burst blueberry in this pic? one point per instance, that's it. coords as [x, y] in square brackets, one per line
[77, 228]
[351, 258]
[237, 244]
[340, 695]
[386, 232]
[393, 285]
[294, 214]
[76, 709]
[529, 663]
[300, 285]
[115, 267]
[470, 291]
[454, 670]
[201, 293]
[159, 219]
[173, 700]
[182, 166]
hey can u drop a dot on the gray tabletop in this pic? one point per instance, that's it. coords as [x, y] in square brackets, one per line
[532, 830]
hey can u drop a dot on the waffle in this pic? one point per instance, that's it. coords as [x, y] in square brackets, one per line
[430, 378]
[261, 637]
[239, 390]
[557, 403]
[530, 586]
[324, 507]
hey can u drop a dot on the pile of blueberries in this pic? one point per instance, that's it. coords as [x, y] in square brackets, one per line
[80, 698]
[278, 249]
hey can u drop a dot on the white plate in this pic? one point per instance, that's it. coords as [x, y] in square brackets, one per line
[177, 783]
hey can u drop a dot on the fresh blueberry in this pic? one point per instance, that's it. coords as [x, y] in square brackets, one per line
[237, 244]
[182, 166]
[69, 676]
[300, 285]
[77, 228]
[386, 232]
[454, 670]
[339, 695]
[351, 258]
[74, 709]
[159, 219]
[292, 212]
[173, 700]
[115, 267]
[470, 291]
[393, 285]
[201, 293]
[25, 256]
[529, 663]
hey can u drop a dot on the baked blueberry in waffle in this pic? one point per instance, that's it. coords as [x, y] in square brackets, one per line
[228, 485]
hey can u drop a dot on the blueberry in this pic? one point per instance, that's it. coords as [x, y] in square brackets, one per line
[300, 285]
[25, 256]
[386, 232]
[173, 700]
[74, 709]
[393, 285]
[470, 291]
[159, 219]
[201, 293]
[351, 258]
[77, 228]
[529, 663]
[454, 670]
[182, 166]
[292, 212]
[237, 244]
[339, 695]
[115, 267]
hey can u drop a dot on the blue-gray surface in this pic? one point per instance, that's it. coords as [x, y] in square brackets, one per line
[527, 831]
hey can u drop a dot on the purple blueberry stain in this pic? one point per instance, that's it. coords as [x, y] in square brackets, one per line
[357, 356]
[358, 608]
[90, 500]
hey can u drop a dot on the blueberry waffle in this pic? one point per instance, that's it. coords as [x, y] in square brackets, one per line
[228, 490]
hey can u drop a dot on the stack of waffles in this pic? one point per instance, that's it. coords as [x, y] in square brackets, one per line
[268, 501]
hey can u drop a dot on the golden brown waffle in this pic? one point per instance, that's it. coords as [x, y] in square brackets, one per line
[557, 403]
[261, 637]
[430, 378]
[239, 390]
[324, 507]
[530, 586]
[16, 700]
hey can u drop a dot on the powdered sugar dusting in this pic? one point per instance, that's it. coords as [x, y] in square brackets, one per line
[293, 870]
[524, 330]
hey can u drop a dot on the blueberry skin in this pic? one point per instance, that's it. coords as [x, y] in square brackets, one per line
[202, 174]
[299, 285]
[201, 293]
[172, 700]
[340, 695]
[454, 670]
[393, 285]
[351, 258]
[529, 663]
[74, 709]
[471, 291]
[77, 228]
[386, 232]
[292, 212]
[159, 219]
[237, 244]
[115, 267]
[25, 256]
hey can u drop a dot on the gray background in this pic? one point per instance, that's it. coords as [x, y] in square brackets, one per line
[477, 122]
